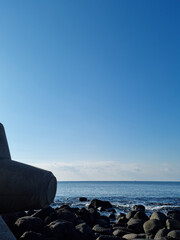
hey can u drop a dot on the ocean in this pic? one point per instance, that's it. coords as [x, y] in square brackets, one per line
[155, 196]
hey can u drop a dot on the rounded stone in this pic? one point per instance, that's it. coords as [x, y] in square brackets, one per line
[152, 226]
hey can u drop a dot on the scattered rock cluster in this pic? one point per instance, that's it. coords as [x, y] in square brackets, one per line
[66, 223]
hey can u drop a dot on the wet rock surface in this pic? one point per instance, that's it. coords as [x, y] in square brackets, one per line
[83, 199]
[68, 223]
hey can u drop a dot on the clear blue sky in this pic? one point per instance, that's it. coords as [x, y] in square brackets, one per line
[91, 89]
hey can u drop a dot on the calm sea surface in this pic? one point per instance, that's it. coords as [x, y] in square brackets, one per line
[162, 196]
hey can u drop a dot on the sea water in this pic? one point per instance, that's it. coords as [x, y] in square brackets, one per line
[155, 196]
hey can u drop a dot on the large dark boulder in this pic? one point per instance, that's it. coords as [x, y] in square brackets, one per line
[104, 222]
[174, 214]
[173, 224]
[159, 216]
[86, 216]
[138, 208]
[175, 234]
[83, 199]
[141, 215]
[120, 232]
[162, 233]
[94, 212]
[95, 203]
[121, 219]
[44, 213]
[27, 223]
[104, 231]
[10, 218]
[32, 236]
[61, 229]
[66, 214]
[130, 214]
[85, 231]
[136, 225]
[105, 218]
[62, 213]
[152, 226]
[79, 221]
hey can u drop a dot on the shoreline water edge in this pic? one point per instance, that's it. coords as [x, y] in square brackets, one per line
[99, 220]
[155, 196]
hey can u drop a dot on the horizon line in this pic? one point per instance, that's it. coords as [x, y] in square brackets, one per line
[119, 181]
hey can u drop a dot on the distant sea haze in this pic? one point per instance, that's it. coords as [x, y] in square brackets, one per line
[162, 196]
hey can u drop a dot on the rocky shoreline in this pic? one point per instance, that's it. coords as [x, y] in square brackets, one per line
[67, 223]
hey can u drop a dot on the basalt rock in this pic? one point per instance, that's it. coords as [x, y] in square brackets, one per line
[103, 222]
[86, 216]
[30, 235]
[162, 233]
[138, 208]
[86, 231]
[112, 216]
[44, 213]
[120, 232]
[94, 212]
[174, 214]
[152, 226]
[173, 224]
[130, 236]
[61, 229]
[83, 199]
[101, 209]
[141, 215]
[121, 219]
[159, 216]
[105, 218]
[134, 236]
[175, 234]
[121, 215]
[10, 218]
[61, 214]
[66, 215]
[27, 223]
[104, 231]
[130, 214]
[95, 203]
[66, 223]
[136, 225]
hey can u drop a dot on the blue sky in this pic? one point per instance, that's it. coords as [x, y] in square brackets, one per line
[90, 89]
